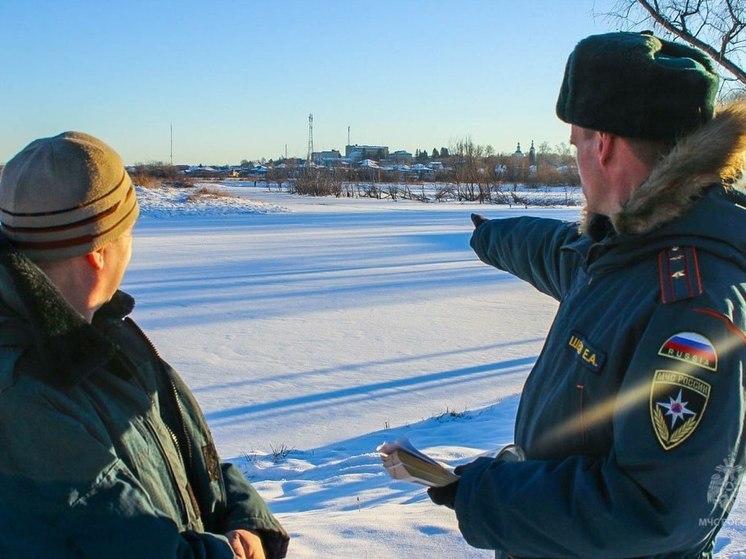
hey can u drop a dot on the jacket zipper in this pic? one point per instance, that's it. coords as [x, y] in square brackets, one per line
[172, 474]
[221, 482]
[173, 435]
[180, 411]
[581, 389]
[179, 408]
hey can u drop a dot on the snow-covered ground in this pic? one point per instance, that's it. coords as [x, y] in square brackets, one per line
[313, 329]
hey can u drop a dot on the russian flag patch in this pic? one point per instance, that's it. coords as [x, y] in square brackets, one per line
[691, 347]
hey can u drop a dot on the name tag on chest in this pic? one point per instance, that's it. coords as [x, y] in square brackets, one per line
[588, 355]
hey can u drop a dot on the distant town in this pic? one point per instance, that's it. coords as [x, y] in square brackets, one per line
[464, 162]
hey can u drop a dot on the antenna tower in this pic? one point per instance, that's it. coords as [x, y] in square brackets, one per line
[310, 137]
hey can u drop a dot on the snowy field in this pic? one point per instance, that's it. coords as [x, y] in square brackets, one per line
[313, 329]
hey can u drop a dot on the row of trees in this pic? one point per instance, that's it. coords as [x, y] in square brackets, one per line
[154, 174]
[471, 172]
[422, 155]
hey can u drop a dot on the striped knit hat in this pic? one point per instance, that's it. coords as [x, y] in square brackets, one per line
[65, 196]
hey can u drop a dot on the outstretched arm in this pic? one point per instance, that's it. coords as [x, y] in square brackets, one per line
[529, 248]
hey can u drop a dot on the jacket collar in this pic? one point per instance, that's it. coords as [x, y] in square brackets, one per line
[713, 154]
[65, 347]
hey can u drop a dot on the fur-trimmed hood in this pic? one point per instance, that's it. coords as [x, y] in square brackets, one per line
[66, 348]
[714, 154]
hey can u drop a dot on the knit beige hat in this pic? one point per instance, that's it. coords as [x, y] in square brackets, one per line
[65, 196]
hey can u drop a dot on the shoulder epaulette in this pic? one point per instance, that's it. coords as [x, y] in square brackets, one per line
[678, 272]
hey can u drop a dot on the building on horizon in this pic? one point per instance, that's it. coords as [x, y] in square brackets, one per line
[355, 153]
[400, 157]
[329, 158]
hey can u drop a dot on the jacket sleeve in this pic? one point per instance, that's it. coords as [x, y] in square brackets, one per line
[529, 248]
[247, 510]
[65, 493]
[666, 483]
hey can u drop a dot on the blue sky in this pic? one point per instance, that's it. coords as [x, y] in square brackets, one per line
[237, 79]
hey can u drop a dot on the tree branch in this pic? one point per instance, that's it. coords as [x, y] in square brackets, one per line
[683, 33]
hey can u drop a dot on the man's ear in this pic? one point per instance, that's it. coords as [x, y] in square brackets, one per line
[96, 259]
[606, 143]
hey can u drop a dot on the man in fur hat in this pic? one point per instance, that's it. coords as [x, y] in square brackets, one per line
[104, 452]
[632, 419]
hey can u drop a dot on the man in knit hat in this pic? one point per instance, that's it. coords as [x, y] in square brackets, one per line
[631, 421]
[105, 452]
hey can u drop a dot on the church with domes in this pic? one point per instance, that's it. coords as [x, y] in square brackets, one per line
[531, 155]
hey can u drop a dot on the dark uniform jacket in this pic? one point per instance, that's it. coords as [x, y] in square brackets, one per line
[632, 418]
[103, 450]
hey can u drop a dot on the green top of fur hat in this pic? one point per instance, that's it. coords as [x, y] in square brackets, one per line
[638, 86]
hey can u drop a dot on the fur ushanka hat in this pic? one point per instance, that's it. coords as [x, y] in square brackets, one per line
[65, 196]
[637, 85]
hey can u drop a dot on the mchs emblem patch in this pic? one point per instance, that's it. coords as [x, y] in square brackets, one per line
[677, 404]
[690, 347]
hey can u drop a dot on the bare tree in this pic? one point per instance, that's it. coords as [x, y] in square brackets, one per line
[470, 172]
[714, 26]
[313, 181]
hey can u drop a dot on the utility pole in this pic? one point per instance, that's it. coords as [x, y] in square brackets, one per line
[172, 145]
[310, 138]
